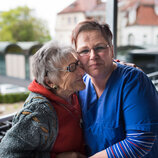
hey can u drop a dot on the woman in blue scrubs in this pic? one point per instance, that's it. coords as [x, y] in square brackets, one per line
[119, 104]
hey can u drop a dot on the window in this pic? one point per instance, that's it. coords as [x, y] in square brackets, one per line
[69, 20]
[144, 39]
[130, 39]
[75, 20]
[157, 39]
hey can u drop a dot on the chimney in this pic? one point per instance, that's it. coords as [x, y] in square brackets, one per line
[87, 5]
[99, 1]
[156, 7]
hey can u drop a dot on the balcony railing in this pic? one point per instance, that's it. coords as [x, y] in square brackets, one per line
[154, 78]
[5, 124]
[5, 121]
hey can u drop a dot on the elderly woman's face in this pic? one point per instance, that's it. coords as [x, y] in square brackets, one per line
[72, 81]
[94, 53]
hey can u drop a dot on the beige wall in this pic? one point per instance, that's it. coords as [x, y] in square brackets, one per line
[65, 24]
[30, 66]
[15, 65]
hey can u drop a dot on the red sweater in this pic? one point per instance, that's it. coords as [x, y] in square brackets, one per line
[70, 136]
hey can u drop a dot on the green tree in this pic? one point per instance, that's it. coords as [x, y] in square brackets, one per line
[19, 24]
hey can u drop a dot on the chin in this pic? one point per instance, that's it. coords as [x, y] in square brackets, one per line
[80, 87]
[94, 74]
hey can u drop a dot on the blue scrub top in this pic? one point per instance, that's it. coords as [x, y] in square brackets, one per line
[129, 102]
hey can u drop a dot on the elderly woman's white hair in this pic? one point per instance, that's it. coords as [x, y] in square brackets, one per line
[48, 59]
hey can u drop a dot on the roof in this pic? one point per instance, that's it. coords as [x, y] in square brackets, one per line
[145, 12]
[30, 47]
[4, 46]
[151, 51]
[83, 6]
[26, 45]
[146, 16]
[127, 4]
[100, 7]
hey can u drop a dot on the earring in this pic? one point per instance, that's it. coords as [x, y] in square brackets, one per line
[55, 87]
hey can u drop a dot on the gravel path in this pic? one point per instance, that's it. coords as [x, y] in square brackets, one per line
[6, 109]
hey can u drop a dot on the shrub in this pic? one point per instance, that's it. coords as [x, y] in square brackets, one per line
[13, 98]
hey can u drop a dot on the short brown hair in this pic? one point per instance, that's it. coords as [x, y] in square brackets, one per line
[89, 25]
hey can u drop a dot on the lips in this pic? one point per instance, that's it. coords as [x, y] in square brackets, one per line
[94, 65]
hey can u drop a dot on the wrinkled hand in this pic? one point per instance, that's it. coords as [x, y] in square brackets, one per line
[101, 154]
[130, 64]
[70, 155]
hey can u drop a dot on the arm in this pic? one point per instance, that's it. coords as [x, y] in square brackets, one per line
[137, 144]
[139, 106]
[26, 137]
[19, 141]
[70, 155]
[128, 64]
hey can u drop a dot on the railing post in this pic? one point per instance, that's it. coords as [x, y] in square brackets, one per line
[111, 19]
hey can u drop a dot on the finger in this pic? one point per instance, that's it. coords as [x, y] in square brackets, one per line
[79, 155]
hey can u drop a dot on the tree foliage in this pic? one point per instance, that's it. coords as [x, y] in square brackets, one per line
[19, 24]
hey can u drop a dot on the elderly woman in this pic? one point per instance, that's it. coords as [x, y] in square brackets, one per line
[119, 104]
[48, 126]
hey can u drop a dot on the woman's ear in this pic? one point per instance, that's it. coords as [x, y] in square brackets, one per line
[112, 51]
[48, 82]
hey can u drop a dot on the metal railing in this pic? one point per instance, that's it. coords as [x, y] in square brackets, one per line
[154, 78]
[5, 124]
[6, 121]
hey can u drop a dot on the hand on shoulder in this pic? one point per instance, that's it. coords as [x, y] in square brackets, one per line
[128, 64]
[101, 154]
[70, 155]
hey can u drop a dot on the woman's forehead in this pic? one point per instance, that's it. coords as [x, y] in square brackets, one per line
[90, 37]
[69, 60]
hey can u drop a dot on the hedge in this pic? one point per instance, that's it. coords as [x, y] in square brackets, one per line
[13, 98]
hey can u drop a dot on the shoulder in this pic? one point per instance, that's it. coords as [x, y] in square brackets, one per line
[128, 78]
[127, 70]
[130, 73]
[34, 127]
[37, 111]
[37, 102]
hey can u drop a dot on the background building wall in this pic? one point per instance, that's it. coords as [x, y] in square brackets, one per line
[142, 35]
[65, 24]
[15, 65]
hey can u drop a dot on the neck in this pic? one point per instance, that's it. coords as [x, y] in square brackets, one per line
[65, 95]
[99, 83]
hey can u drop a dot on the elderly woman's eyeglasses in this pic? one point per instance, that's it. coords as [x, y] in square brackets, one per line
[71, 67]
[96, 49]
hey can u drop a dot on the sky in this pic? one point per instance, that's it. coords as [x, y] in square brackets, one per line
[44, 9]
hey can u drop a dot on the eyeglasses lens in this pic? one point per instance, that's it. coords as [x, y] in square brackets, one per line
[72, 67]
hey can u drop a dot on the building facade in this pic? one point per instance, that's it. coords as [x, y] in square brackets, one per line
[138, 22]
[78, 11]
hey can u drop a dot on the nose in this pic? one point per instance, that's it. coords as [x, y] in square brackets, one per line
[92, 54]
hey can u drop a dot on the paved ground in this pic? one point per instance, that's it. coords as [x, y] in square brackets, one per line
[6, 109]
[16, 81]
